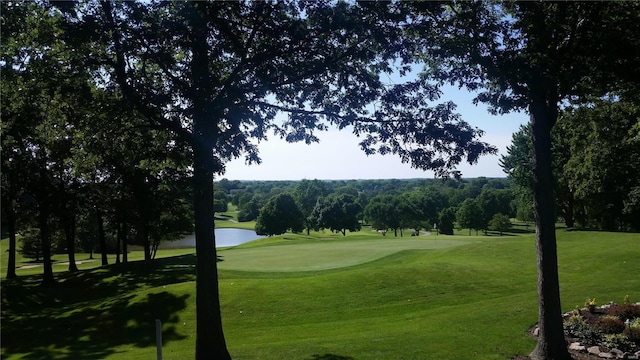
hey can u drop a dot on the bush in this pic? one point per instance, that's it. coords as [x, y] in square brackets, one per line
[577, 327]
[31, 246]
[617, 341]
[633, 334]
[625, 311]
[610, 325]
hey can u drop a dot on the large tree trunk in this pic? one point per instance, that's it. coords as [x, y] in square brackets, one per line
[118, 236]
[70, 234]
[45, 238]
[551, 341]
[11, 224]
[101, 237]
[210, 341]
[125, 234]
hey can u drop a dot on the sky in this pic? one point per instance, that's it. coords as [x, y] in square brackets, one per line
[338, 157]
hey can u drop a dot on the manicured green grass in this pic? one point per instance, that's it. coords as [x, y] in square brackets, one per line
[363, 296]
[230, 222]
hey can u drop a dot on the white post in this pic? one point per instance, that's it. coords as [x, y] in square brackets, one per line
[159, 339]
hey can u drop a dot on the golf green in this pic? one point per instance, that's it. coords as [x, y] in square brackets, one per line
[318, 256]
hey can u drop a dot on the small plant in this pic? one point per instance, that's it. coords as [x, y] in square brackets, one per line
[574, 324]
[610, 324]
[626, 300]
[635, 323]
[591, 305]
[633, 334]
[617, 341]
[577, 327]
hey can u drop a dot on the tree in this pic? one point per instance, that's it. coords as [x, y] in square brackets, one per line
[307, 194]
[337, 212]
[216, 74]
[491, 202]
[389, 212]
[469, 216]
[445, 221]
[500, 222]
[517, 163]
[427, 204]
[535, 56]
[250, 209]
[604, 166]
[279, 214]
[44, 101]
[31, 246]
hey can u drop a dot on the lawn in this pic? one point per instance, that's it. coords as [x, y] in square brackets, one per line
[322, 296]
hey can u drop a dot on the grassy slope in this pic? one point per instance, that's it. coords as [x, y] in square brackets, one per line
[389, 299]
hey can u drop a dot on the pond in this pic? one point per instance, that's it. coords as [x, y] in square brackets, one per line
[224, 237]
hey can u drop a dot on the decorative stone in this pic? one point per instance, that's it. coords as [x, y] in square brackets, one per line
[536, 331]
[577, 347]
[617, 352]
[606, 355]
[595, 350]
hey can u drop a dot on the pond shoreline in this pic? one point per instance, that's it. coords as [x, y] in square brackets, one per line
[225, 237]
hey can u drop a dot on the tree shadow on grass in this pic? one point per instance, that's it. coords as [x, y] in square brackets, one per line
[330, 357]
[90, 313]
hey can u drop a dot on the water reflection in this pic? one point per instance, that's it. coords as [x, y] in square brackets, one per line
[224, 237]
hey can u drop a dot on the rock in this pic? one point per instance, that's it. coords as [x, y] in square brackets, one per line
[606, 355]
[577, 347]
[617, 352]
[536, 331]
[594, 350]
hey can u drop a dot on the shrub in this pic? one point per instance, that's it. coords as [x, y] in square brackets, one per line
[591, 305]
[635, 323]
[617, 341]
[633, 334]
[625, 311]
[578, 328]
[610, 325]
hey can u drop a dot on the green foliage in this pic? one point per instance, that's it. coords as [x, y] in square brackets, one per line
[307, 193]
[337, 212]
[278, 215]
[577, 327]
[500, 223]
[446, 221]
[633, 334]
[618, 341]
[469, 215]
[391, 212]
[31, 244]
[220, 206]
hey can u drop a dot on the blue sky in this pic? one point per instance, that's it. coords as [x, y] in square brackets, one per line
[339, 157]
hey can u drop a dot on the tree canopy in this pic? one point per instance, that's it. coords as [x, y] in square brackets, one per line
[279, 214]
[535, 56]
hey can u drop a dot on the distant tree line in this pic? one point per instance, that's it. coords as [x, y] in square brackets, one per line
[386, 205]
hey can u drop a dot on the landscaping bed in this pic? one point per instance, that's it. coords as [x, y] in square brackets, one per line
[610, 331]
